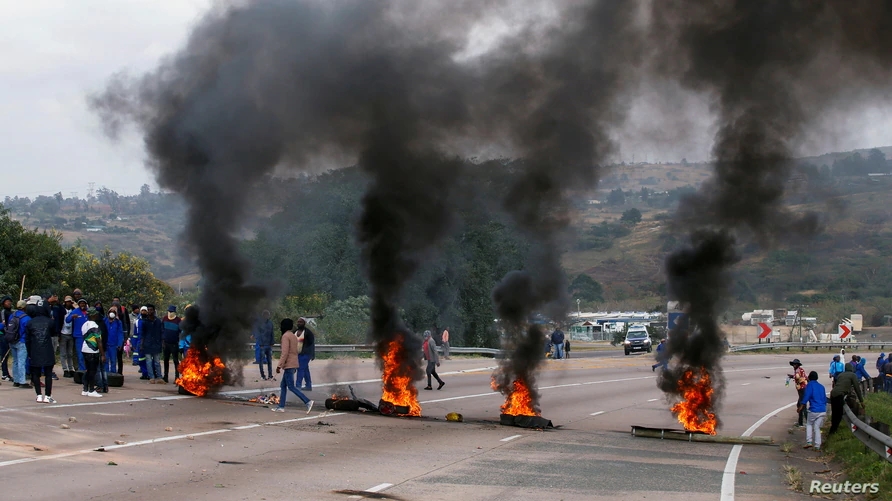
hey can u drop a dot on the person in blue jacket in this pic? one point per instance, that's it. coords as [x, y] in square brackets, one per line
[815, 397]
[836, 368]
[115, 329]
[861, 373]
[880, 383]
[77, 318]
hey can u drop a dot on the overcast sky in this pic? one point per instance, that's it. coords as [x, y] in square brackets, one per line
[57, 52]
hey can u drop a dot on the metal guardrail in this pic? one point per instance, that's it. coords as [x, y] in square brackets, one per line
[816, 346]
[869, 436]
[367, 348]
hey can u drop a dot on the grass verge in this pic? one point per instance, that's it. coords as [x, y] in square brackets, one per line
[861, 464]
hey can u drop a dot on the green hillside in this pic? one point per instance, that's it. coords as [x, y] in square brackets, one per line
[299, 231]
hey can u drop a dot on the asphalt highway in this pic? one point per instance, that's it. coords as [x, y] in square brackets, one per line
[144, 441]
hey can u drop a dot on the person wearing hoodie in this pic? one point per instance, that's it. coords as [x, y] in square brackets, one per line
[115, 329]
[39, 335]
[815, 397]
[5, 312]
[78, 317]
[18, 350]
[836, 368]
[92, 350]
[429, 351]
[880, 383]
[845, 382]
[861, 373]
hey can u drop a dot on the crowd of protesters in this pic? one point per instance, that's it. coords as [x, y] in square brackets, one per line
[90, 340]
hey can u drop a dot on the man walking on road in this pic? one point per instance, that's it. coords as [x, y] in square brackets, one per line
[557, 340]
[78, 317]
[445, 341]
[662, 357]
[429, 349]
[845, 383]
[288, 361]
[800, 381]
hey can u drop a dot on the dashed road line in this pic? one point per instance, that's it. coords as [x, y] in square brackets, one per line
[106, 448]
[508, 439]
[379, 487]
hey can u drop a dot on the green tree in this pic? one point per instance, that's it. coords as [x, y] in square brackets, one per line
[586, 288]
[36, 255]
[631, 216]
[346, 321]
[616, 197]
[115, 275]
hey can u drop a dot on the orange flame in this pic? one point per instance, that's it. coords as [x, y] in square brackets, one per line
[519, 401]
[694, 412]
[398, 387]
[199, 373]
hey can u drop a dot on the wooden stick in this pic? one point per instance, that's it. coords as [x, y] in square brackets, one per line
[22, 290]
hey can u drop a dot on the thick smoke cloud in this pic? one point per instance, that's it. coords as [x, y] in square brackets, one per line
[770, 67]
[280, 84]
[572, 82]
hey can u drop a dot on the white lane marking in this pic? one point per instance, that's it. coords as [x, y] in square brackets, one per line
[508, 439]
[560, 386]
[653, 400]
[107, 448]
[745, 384]
[172, 397]
[730, 473]
[80, 404]
[459, 398]
[596, 413]
[379, 488]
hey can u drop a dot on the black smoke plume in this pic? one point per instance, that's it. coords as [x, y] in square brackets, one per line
[262, 87]
[770, 68]
[571, 82]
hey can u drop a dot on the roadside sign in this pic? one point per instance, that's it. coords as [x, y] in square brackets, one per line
[844, 331]
[766, 330]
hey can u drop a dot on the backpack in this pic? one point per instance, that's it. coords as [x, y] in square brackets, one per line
[12, 328]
